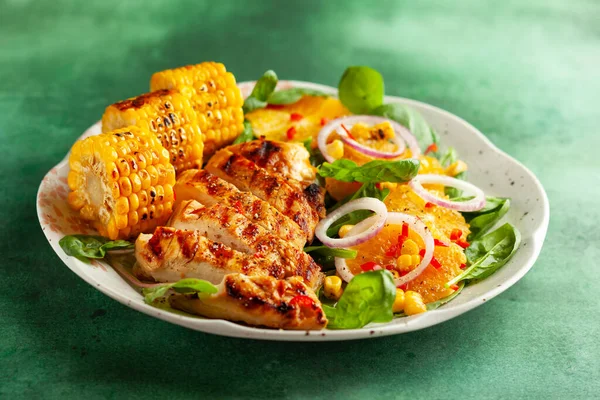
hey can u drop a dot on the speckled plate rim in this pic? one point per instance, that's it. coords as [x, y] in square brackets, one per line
[467, 300]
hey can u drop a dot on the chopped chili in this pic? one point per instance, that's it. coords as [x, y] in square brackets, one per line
[454, 287]
[348, 132]
[462, 243]
[455, 234]
[405, 229]
[323, 121]
[436, 264]
[390, 267]
[463, 266]
[369, 266]
[291, 132]
[429, 205]
[439, 243]
[432, 148]
[394, 250]
[403, 287]
[296, 117]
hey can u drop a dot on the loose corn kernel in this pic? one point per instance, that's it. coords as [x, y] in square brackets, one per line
[416, 259]
[404, 261]
[398, 305]
[344, 230]
[413, 303]
[332, 287]
[389, 185]
[336, 149]
[409, 247]
[456, 168]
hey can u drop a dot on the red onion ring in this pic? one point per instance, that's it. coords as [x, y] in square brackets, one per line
[367, 232]
[395, 218]
[399, 130]
[477, 203]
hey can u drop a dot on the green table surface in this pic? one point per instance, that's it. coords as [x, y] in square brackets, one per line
[526, 73]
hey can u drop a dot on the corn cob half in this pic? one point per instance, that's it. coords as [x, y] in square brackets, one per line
[122, 182]
[170, 116]
[215, 97]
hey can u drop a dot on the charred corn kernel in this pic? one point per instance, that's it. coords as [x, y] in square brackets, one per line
[395, 273]
[413, 303]
[416, 259]
[336, 149]
[404, 261]
[456, 168]
[215, 97]
[170, 116]
[344, 230]
[381, 131]
[409, 247]
[332, 288]
[113, 202]
[398, 305]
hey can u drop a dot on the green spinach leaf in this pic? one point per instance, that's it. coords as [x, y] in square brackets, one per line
[361, 89]
[289, 96]
[483, 220]
[86, 247]
[188, 285]
[367, 298]
[263, 88]
[490, 252]
[374, 171]
[247, 134]
[329, 251]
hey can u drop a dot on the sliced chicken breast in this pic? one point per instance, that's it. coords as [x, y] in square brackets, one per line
[273, 188]
[225, 225]
[208, 189]
[258, 300]
[170, 254]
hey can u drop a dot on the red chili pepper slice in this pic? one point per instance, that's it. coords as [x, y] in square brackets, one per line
[462, 243]
[302, 301]
[324, 121]
[455, 234]
[404, 229]
[296, 117]
[429, 205]
[403, 287]
[348, 132]
[436, 264]
[463, 266]
[291, 132]
[432, 147]
[439, 243]
[390, 267]
[368, 266]
[454, 287]
[393, 250]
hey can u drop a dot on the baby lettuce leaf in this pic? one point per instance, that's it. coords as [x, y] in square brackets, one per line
[329, 251]
[361, 89]
[490, 252]
[189, 285]
[411, 120]
[247, 134]
[263, 88]
[374, 171]
[289, 96]
[353, 218]
[86, 247]
[446, 160]
[449, 157]
[483, 220]
[368, 298]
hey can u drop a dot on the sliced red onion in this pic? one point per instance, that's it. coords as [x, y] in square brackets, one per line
[395, 218]
[400, 131]
[474, 204]
[367, 232]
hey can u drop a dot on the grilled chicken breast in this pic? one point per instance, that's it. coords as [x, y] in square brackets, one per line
[170, 254]
[225, 225]
[258, 300]
[273, 188]
[289, 159]
[208, 189]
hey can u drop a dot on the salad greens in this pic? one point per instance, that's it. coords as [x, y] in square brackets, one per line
[361, 89]
[367, 298]
[483, 220]
[247, 134]
[292, 95]
[188, 285]
[490, 252]
[86, 247]
[263, 88]
[372, 172]
[446, 160]
[325, 256]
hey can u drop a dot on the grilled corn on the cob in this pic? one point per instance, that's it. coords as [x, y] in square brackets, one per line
[215, 97]
[170, 116]
[122, 182]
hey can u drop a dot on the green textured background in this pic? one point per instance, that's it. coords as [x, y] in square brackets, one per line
[526, 73]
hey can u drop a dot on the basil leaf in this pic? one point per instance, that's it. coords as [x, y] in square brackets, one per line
[329, 251]
[188, 285]
[482, 221]
[247, 134]
[367, 298]
[411, 120]
[353, 218]
[85, 247]
[487, 254]
[361, 89]
[289, 96]
[374, 171]
[261, 92]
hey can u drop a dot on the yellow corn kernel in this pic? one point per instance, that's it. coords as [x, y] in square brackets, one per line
[409, 247]
[332, 288]
[416, 259]
[344, 230]
[404, 261]
[398, 305]
[389, 185]
[395, 273]
[336, 149]
[413, 303]
[456, 168]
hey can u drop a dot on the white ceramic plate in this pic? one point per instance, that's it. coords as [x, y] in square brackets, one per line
[489, 168]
